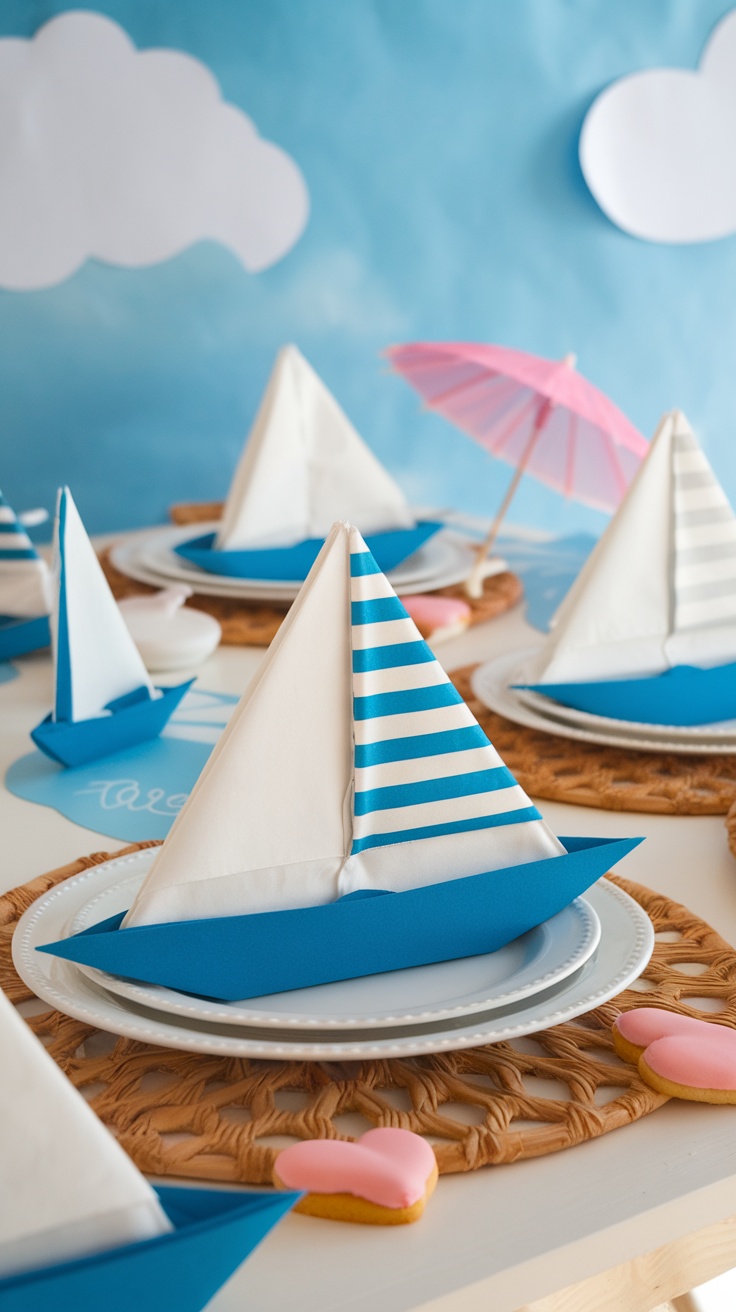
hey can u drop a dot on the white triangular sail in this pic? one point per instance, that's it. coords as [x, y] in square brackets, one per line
[95, 658]
[351, 763]
[303, 467]
[25, 581]
[659, 589]
[68, 1188]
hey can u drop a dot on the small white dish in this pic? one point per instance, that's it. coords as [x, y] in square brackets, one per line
[168, 634]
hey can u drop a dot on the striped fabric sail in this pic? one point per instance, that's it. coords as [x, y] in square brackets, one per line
[704, 539]
[24, 578]
[424, 768]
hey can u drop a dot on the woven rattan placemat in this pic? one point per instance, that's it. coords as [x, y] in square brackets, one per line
[218, 1118]
[614, 778]
[256, 623]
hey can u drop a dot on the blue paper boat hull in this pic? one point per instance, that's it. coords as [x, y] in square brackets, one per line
[684, 695]
[17, 637]
[292, 564]
[237, 957]
[75, 742]
[214, 1232]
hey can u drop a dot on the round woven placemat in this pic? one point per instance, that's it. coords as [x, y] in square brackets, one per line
[256, 623]
[731, 827]
[614, 778]
[217, 1118]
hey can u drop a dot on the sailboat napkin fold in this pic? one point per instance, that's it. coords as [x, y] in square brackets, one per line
[659, 589]
[67, 1189]
[303, 466]
[352, 764]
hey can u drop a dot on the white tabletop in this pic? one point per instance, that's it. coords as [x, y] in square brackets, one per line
[499, 1237]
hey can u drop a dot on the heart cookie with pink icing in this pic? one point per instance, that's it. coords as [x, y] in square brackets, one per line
[679, 1055]
[383, 1179]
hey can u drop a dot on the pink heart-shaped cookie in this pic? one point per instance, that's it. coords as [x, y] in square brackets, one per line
[700, 1068]
[680, 1056]
[386, 1166]
[633, 1031]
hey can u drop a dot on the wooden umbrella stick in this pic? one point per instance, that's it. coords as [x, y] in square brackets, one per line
[474, 581]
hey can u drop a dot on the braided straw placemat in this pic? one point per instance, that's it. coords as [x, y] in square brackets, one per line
[256, 623]
[731, 827]
[216, 1118]
[614, 778]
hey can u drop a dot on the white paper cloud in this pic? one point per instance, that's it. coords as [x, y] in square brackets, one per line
[658, 149]
[129, 156]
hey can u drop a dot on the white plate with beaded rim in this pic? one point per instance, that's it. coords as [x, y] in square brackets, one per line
[150, 558]
[492, 682]
[538, 960]
[626, 945]
[718, 731]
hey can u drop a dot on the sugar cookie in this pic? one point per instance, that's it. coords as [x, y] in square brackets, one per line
[679, 1056]
[383, 1179]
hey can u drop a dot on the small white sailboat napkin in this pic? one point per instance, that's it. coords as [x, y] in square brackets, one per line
[67, 1189]
[304, 466]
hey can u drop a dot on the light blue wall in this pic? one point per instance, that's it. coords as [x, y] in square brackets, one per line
[438, 139]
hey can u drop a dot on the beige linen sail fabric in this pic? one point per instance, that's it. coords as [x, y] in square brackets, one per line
[319, 788]
[67, 1189]
[659, 589]
[305, 466]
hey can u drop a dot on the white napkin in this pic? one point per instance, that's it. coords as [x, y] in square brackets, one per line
[659, 589]
[303, 467]
[104, 661]
[25, 580]
[289, 812]
[67, 1189]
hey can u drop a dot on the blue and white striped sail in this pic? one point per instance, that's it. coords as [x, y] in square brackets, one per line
[350, 764]
[95, 659]
[659, 590]
[25, 583]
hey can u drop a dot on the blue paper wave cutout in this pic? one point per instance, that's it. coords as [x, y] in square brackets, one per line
[547, 569]
[135, 794]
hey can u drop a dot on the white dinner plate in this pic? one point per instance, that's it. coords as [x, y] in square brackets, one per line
[626, 944]
[492, 681]
[149, 557]
[720, 730]
[536, 961]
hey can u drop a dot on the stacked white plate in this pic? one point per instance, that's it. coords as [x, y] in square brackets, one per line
[150, 557]
[493, 684]
[577, 960]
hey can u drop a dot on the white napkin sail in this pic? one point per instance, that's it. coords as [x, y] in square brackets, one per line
[303, 467]
[25, 581]
[67, 1188]
[95, 658]
[351, 763]
[659, 589]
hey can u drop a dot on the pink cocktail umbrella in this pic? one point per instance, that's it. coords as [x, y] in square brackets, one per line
[539, 415]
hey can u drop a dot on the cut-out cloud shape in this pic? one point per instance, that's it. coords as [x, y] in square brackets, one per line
[129, 156]
[658, 148]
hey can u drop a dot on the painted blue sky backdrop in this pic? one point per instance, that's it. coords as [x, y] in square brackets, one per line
[439, 144]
